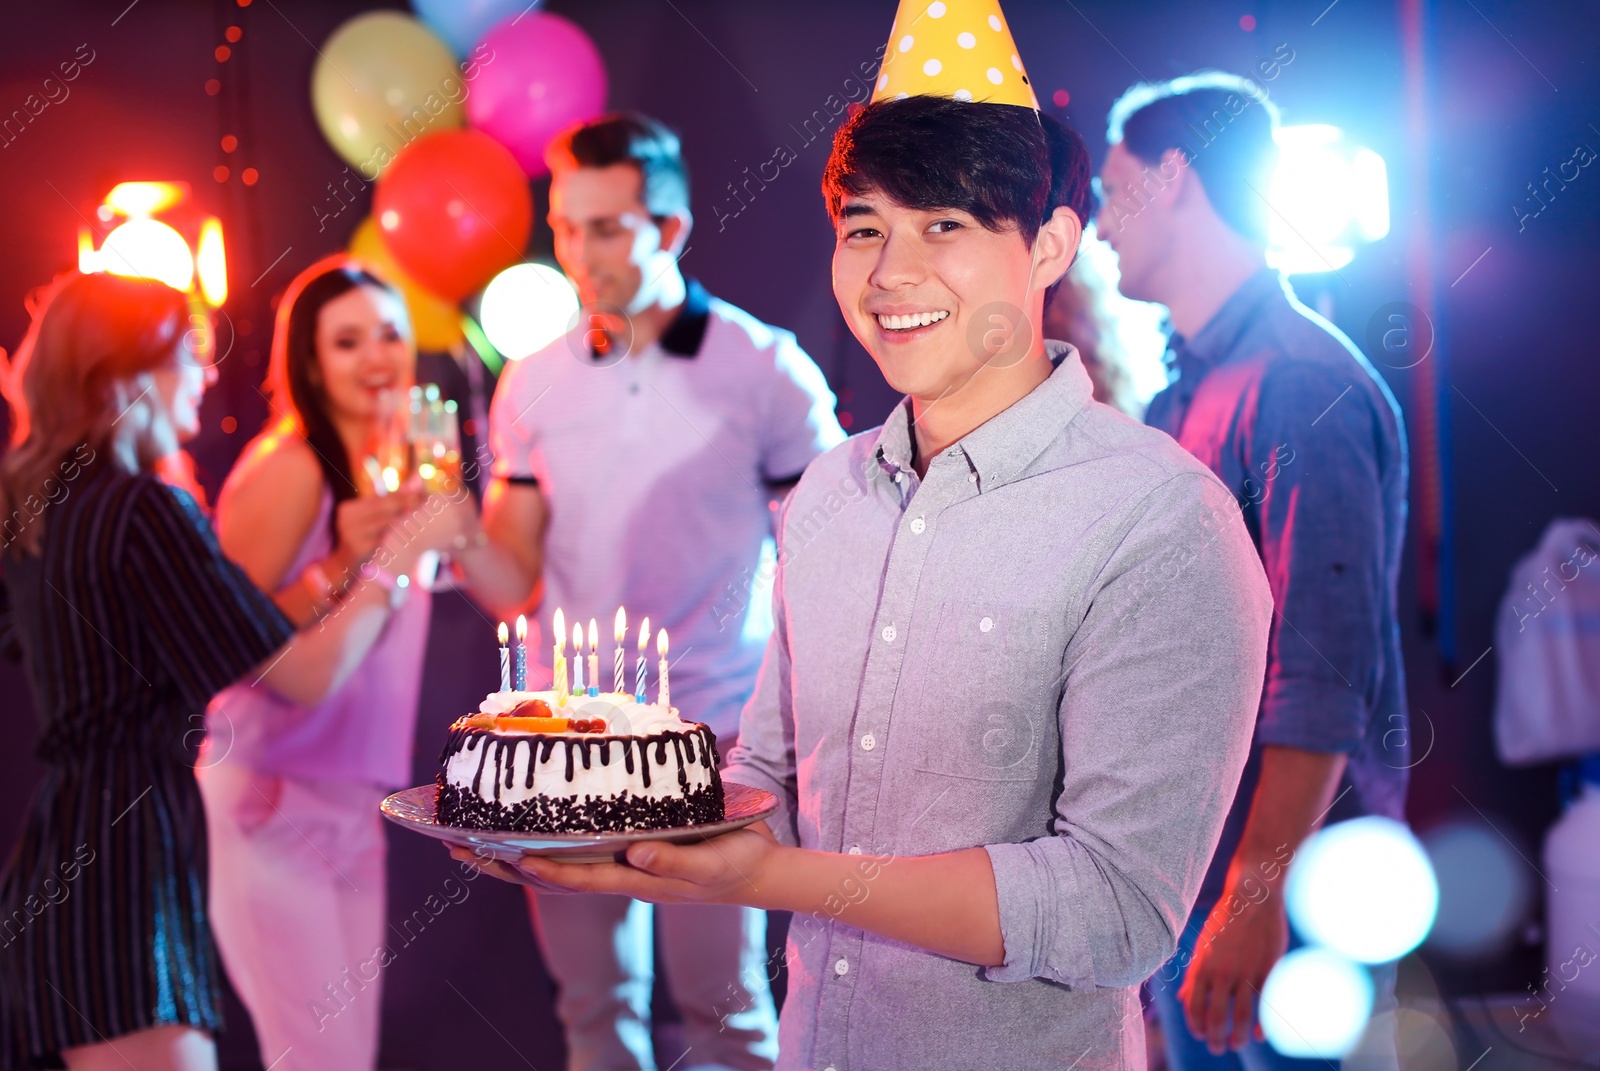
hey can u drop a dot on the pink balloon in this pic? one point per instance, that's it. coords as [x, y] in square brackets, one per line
[545, 76]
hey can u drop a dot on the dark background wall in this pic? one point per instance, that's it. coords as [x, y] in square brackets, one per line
[1515, 93]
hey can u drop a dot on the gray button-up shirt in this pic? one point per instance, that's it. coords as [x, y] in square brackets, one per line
[1295, 422]
[1052, 646]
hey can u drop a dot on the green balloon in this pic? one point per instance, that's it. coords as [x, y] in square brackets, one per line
[382, 81]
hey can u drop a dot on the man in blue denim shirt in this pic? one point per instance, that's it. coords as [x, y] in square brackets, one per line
[1293, 420]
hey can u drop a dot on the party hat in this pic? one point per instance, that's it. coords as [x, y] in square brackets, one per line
[953, 48]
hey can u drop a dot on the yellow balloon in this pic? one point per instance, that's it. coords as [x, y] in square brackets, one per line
[382, 81]
[435, 322]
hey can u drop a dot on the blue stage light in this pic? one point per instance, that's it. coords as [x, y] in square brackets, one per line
[1328, 197]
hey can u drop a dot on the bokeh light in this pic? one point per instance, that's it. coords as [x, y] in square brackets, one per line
[1363, 888]
[527, 307]
[1327, 195]
[1315, 1004]
[1484, 890]
[149, 249]
[212, 261]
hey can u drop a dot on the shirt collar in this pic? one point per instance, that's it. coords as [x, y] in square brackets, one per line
[1219, 338]
[1000, 450]
[687, 331]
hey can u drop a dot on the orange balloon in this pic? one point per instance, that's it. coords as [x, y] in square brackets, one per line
[455, 209]
[435, 322]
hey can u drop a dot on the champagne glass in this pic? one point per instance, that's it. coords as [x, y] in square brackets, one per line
[436, 440]
[393, 460]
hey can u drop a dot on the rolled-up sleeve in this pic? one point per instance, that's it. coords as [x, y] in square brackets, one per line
[1162, 679]
[1322, 533]
[764, 757]
[798, 422]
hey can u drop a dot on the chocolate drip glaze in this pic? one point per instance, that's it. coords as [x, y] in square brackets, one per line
[644, 761]
[483, 757]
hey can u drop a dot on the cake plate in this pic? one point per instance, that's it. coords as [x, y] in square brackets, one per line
[414, 808]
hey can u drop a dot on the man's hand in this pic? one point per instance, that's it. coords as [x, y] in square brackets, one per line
[1245, 934]
[719, 870]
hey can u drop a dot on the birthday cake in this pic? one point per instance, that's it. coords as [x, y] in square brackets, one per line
[603, 763]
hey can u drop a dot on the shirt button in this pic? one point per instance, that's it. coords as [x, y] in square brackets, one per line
[888, 634]
[868, 742]
[986, 624]
[918, 525]
[855, 849]
[841, 966]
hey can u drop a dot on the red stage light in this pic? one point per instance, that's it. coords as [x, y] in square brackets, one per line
[1061, 97]
[1247, 23]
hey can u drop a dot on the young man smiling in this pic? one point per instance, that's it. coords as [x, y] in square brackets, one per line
[1015, 663]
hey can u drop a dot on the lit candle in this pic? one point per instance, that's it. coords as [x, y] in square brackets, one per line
[522, 653]
[621, 634]
[594, 658]
[662, 698]
[577, 658]
[558, 664]
[505, 658]
[639, 670]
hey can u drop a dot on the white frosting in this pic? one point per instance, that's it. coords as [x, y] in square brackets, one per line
[602, 781]
[624, 716]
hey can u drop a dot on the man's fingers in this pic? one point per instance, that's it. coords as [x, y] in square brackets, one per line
[1216, 1022]
[1243, 1016]
[680, 862]
[1194, 994]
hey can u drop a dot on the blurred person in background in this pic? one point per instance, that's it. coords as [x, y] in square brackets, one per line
[1293, 419]
[129, 619]
[1120, 342]
[290, 786]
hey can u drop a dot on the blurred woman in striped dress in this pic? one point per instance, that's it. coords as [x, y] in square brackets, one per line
[129, 619]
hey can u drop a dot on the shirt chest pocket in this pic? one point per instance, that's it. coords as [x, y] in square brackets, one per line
[981, 704]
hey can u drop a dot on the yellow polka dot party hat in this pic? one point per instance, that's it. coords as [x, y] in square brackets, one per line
[953, 48]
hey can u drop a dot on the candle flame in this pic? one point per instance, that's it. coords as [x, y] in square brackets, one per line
[622, 625]
[560, 630]
[577, 638]
[504, 634]
[594, 637]
[644, 634]
[522, 627]
[661, 643]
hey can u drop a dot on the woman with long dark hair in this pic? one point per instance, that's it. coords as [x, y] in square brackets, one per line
[129, 619]
[292, 789]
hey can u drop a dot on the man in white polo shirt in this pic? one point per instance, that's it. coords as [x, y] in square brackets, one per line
[636, 461]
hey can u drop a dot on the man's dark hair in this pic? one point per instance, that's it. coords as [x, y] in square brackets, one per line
[1003, 164]
[629, 138]
[1222, 124]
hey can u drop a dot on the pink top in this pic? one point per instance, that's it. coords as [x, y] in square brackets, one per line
[361, 733]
